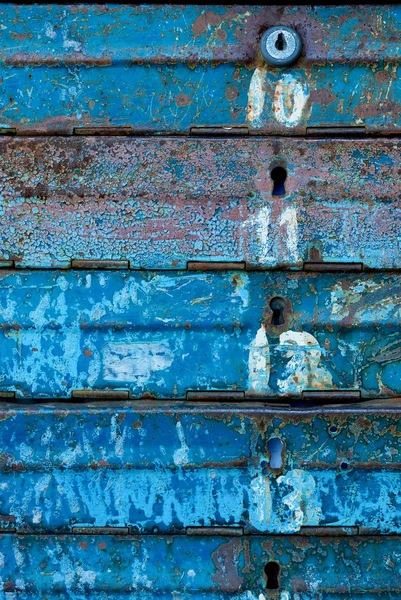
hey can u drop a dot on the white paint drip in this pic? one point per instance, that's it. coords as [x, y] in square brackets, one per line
[290, 98]
[259, 362]
[256, 94]
[289, 219]
[180, 456]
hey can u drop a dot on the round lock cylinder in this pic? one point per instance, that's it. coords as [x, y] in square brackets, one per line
[280, 46]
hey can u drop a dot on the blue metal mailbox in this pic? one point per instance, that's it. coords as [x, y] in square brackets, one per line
[161, 203]
[216, 568]
[200, 302]
[158, 334]
[171, 68]
[146, 468]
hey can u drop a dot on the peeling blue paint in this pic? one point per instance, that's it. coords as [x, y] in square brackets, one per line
[150, 468]
[167, 69]
[164, 334]
[209, 567]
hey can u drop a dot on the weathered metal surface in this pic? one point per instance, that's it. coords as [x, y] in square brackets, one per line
[210, 567]
[153, 468]
[170, 68]
[158, 333]
[161, 203]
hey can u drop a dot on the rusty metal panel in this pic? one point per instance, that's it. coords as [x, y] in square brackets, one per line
[171, 68]
[268, 334]
[209, 567]
[149, 468]
[159, 203]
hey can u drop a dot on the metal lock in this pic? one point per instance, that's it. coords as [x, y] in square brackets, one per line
[280, 46]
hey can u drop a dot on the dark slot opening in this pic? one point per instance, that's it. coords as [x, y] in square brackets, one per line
[272, 572]
[277, 306]
[280, 42]
[279, 175]
[276, 447]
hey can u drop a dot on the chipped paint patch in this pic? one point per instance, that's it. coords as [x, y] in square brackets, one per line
[290, 99]
[135, 362]
[256, 95]
[303, 371]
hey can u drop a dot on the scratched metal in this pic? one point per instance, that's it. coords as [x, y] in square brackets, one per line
[163, 333]
[159, 203]
[170, 68]
[153, 468]
[315, 568]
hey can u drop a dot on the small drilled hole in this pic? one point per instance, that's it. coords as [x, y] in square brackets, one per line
[272, 572]
[333, 429]
[278, 175]
[280, 42]
[277, 306]
[344, 466]
[276, 447]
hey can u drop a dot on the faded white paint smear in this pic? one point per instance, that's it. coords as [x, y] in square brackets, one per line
[263, 222]
[256, 94]
[290, 98]
[257, 226]
[180, 456]
[303, 500]
[290, 221]
[259, 362]
[135, 362]
[303, 371]
[261, 503]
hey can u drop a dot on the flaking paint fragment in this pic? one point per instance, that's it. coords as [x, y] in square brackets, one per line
[303, 500]
[303, 369]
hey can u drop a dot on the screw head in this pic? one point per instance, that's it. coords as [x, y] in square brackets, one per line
[280, 46]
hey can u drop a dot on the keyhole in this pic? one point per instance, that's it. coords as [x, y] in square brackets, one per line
[277, 306]
[272, 572]
[279, 175]
[280, 42]
[276, 447]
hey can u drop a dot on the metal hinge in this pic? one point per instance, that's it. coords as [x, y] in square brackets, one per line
[331, 396]
[340, 131]
[89, 131]
[219, 531]
[194, 265]
[6, 395]
[219, 131]
[100, 394]
[88, 530]
[332, 267]
[328, 531]
[78, 263]
[215, 395]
